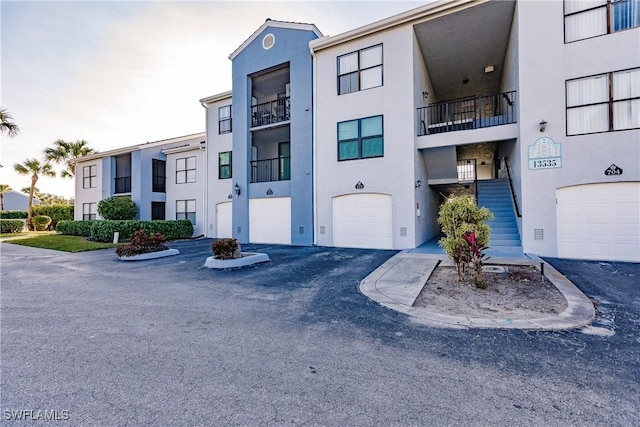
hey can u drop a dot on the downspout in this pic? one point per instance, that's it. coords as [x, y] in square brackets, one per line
[205, 186]
[314, 169]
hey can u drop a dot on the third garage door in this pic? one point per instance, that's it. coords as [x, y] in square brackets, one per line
[363, 221]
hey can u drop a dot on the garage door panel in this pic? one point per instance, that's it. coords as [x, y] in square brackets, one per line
[599, 221]
[270, 220]
[363, 221]
[224, 220]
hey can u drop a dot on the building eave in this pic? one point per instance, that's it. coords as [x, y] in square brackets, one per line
[429, 11]
[215, 98]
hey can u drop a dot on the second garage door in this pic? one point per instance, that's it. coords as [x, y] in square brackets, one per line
[599, 221]
[223, 220]
[363, 221]
[270, 220]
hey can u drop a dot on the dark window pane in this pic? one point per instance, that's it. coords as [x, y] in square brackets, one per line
[372, 147]
[348, 150]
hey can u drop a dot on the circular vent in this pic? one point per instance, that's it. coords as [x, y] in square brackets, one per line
[268, 41]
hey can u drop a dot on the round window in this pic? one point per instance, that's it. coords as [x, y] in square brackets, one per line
[268, 41]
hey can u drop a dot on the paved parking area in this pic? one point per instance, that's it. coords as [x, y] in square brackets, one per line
[292, 342]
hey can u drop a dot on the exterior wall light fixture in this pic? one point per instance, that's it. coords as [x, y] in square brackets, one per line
[543, 125]
[236, 189]
[418, 183]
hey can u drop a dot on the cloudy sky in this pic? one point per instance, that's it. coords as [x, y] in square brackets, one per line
[124, 73]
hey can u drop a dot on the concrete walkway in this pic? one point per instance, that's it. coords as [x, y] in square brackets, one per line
[397, 283]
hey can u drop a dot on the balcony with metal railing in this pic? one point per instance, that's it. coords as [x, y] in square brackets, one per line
[267, 170]
[268, 113]
[468, 113]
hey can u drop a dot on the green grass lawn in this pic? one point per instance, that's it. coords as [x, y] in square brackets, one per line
[59, 242]
[26, 234]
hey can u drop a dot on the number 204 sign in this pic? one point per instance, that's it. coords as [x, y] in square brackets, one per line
[545, 153]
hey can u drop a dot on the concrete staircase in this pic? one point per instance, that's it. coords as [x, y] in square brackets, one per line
[495, 195]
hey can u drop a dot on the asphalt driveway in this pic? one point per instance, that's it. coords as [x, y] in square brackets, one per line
[292, 342]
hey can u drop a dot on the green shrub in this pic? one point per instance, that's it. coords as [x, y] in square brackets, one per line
[143, 243]
[57, 213]
[102, 231]
[11, 225]
[461, 218]
[13, 214]
[41, 222]
[117, 208]
[75, 228]
[225, 248]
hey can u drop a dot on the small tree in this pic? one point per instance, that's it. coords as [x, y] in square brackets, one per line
[4, 188]
[7, 125]
[117, 208]
[36, 169]
[466, 234]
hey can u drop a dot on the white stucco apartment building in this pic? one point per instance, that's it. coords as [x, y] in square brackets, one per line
[355, 139]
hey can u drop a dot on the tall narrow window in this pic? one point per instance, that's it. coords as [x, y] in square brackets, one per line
[224, 165]
[360, 139]
[123, 174]
[159, 176]
[604, 103]
[89, 176]
[186, 170]
[186, 209]
[89, 211]
[360, 70]
[224, 119]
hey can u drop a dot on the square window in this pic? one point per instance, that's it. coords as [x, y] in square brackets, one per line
[360, 70]
[360, 139]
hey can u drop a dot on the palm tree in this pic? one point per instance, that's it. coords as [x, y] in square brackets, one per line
[67, 153]
[4, 188]
[35, 168]
[7, 125]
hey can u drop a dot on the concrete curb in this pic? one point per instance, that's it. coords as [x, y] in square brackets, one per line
[397, 283]
[150, 255]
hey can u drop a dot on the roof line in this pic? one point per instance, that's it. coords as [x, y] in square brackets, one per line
[275, 24]
[431, 10]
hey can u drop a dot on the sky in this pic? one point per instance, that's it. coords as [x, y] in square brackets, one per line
[121, 73]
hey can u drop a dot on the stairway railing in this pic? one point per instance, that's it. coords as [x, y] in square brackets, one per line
[507, 167]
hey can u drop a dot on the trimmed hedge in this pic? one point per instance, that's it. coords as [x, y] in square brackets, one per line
[102, 231]
[13, 214]
[11, 225]
[75, 228]
[57, 213]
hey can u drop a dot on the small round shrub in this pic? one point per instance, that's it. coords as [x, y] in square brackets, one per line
[225, 249]
[41, 222]
[117, 208]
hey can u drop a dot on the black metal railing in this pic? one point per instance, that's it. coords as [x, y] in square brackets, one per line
[123, 184]
[270, 112]
[278, 169]
[504, 172]
[468, 113]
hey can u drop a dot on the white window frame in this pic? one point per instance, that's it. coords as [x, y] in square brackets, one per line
[89, 211]
[186, 209]
[186, 170]
[90, 176]
[361, 69]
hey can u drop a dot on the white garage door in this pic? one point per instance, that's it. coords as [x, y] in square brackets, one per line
[224, 220]
[599, 221]
[363, 221]
[270, 220]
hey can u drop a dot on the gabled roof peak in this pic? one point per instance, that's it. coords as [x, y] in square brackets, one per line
[276, 24]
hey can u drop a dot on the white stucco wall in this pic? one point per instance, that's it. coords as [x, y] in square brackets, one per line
[188, 190]
[218, 189]
[392, 174]
[87, 195]
[545, 62]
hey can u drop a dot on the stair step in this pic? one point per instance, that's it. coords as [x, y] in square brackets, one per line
[504, 243]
